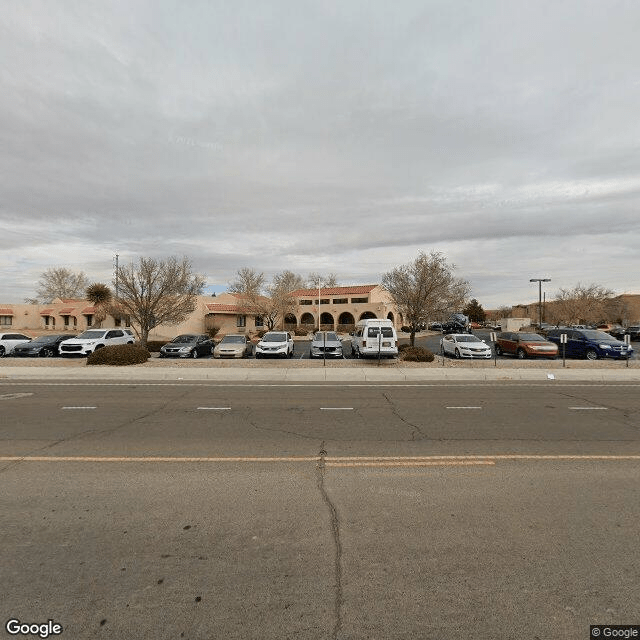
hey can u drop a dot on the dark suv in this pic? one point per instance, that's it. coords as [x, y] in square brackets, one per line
[590, 343]
[633, 332]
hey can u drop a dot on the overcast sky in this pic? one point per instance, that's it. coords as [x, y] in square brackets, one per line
[326, 136]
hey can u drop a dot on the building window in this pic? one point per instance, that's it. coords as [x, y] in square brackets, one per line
[306, 302]
[65, 321]
[357, 300]
[324, 301]
[89, 320]
[127, 321]
[259, 322]
[6, 321]
[341, 301]
[117, 321]
[241, 321]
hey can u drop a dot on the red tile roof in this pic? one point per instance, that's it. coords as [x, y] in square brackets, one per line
[6, 312]
[223, 308]
[334, 291]
[66, 311]
[46, 312]
[88, 311]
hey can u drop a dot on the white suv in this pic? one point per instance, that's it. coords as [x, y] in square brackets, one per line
[93, 339]
[275, 343]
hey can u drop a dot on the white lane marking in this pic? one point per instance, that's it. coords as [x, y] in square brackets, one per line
[79, 408]
[214, 408]
[414, 463]
[11, 396]
[464, 407]
[589, 408]
[336, 408]
[320, 383]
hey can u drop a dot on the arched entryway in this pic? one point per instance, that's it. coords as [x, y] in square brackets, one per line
[290, 322]
[346, 323]
[307, 321]
[390, 316]
[326, 321]
[368, 315]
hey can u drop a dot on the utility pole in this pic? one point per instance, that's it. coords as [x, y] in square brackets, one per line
[540, 281]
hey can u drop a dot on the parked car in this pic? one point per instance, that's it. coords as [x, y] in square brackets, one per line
[93, 339]
[463, 345]
[525, 345]
[633, 332]
[435, 326]
[326, 344]
[275, 343]
[43, 347]
[589, 343]
[9, 341]
[188, 345]
[374, 337]
[233, 346]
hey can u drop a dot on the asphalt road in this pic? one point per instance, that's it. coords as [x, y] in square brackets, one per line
[181, 510]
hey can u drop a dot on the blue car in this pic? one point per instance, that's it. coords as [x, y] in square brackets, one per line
[590, 343]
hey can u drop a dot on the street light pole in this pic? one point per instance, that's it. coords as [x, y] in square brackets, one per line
[540, 281]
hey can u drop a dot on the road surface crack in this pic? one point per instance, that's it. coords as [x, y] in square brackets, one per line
[335, 532]
[415, 427]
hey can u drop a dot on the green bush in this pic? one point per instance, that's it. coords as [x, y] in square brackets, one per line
[119, 354]
[416, 354]
[153, 346]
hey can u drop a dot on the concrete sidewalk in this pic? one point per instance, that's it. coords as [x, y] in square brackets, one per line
[301, 375]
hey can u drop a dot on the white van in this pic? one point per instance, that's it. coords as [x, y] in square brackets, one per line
[373, 337]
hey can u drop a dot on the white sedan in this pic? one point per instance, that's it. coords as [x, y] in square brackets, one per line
[464, 345]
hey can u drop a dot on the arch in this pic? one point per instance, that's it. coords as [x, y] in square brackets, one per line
[368, 315]
[326, 321]
[346, 318]
[390, 316]
[307, 318]
[290, 322]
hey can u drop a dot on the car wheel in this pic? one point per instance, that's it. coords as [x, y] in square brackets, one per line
[194, 354]
[457, 354]
[521, 353]
[2, 351]
[47, 353]
[498, 350]
[591, 354]
[99, 347]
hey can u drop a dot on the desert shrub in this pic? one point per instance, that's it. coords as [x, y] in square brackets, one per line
[345, 328]
[403, 347]
[301, 331]
[153, 346]
[119, 354]
[417, 354]
[405, 329]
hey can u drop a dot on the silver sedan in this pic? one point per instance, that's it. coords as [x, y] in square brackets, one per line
[326, 344]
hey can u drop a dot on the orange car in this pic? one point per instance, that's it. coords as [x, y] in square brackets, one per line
[525, 345]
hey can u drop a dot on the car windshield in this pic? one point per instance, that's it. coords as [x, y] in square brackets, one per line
[467, 339]
[275, 337]
[319, 337]
[531, 337]
[91, 334]
[184, 339]
[592, 334]
[233, 340]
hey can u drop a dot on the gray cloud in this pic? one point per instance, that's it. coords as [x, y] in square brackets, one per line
[341, 137]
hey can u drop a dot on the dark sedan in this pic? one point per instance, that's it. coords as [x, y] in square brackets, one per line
[42, 347]
[188, 346]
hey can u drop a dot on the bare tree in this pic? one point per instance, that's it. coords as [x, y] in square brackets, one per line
[313, 279]
[425, 288]
[248, 281]
[100, 296]
[287, 281]
[583, 304]
[59, 282]
[157, 292]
